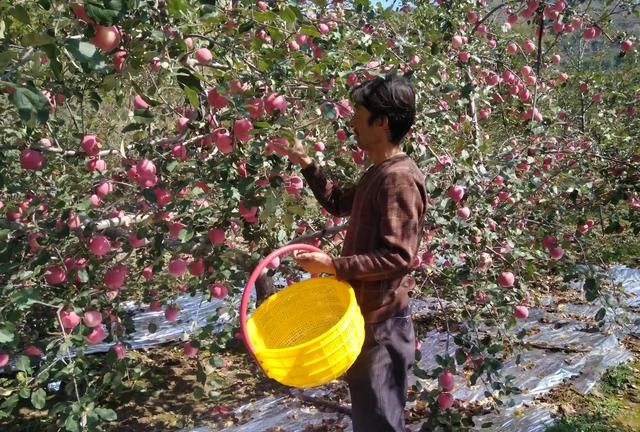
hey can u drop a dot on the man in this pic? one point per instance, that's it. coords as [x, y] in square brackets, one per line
[386, 209]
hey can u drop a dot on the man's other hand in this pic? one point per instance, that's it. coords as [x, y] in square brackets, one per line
[295, 153]
[315, 262]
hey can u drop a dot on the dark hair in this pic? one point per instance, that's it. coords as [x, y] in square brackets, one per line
[392, 96]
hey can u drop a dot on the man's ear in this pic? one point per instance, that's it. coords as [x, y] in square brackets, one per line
[384, 122]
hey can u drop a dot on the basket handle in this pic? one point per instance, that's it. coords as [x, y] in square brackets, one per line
[252, 280]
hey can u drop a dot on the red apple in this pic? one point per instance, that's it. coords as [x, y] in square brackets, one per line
[446, 381]
[274, 264]
[506, 279]
[216, 236]
[163, 196]
[69, 320]
[31, 160]
[99, 245]
[445, 401]
[529, 46]
[456, 193]
[118, 60]
[203, 56]
[106, 38]
[556, 252]
[97, 335]
[119, 350]
[91, 145]
[197, 267]
[521, 312]
[171, 313]
[104, 189]
[218, 291]
[463, 212]
[457, 41]
[147, 272]
[92, 318]
[4, 359]
[189, 350]
[177, 267]
[55, 275]
[139, 103]
[216, 100]
[115, 277]
[241, 129]
[32, 350]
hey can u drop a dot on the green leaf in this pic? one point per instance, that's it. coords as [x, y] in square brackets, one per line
[420, 373]
[600, 314]
[106, 12]
[187, 79]
[172, 165]
[177, 7]
[71, 424]
[591, 288]
[53, 52]
[289, 14]
[198, 393]
[495, 348]
[32, 105]
[216, 361]
[86, 53]
[265, 17]
[310, 31]
[149, 195]
[131, 127]
[83, 276]
[38, 399]
[185, 235]
[246, 26]
[35, 39]
[21, 14]
[106, 414]
[466, 90]
[192, 96]
[23, 363]
[7, 333]
[8, 405]
[23, 298]
[143, 117]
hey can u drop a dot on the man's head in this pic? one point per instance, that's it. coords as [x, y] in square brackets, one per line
[385, 110]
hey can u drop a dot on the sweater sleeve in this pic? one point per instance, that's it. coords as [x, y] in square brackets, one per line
[336, 200]
[402, 202]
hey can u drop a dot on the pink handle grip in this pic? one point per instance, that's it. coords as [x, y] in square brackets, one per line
[252, 280]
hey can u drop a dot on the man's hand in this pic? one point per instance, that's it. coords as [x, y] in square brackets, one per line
[295, 153]
[315, 262]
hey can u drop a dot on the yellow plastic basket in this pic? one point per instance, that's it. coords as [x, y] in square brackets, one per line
[307, 334]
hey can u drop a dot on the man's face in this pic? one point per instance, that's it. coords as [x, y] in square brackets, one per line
[366, 135]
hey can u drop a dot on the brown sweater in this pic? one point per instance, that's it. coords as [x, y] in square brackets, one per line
[386, 209]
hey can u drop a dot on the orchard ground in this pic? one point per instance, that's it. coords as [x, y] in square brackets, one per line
[158, 394]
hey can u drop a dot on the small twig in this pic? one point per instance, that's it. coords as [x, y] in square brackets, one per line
[326, 403]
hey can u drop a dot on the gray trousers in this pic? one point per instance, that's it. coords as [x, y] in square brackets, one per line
[378, 378]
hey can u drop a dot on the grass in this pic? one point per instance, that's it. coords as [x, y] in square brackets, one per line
[615, 407]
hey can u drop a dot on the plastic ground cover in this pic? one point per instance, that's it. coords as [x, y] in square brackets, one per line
[565, 347]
